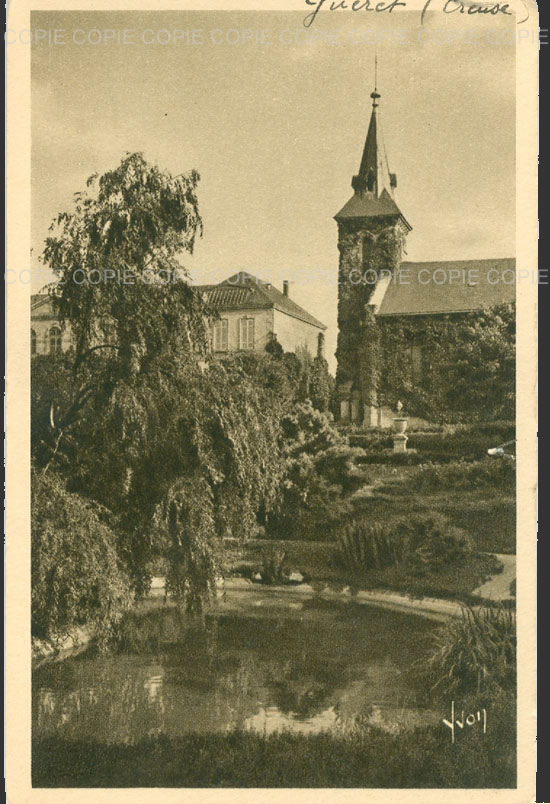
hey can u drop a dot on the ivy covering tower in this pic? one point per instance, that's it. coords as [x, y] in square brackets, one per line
[371, 235]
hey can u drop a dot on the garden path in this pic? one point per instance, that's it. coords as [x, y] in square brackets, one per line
[498, 587]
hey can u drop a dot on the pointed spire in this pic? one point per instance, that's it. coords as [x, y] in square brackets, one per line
[374, 174]
[374, 185]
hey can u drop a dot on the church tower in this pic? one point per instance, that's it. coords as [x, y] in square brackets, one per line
[371, 236]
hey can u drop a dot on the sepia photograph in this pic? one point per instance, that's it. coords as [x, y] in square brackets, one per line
[275, 392]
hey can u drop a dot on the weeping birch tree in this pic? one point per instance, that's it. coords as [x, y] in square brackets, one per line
[138, 418]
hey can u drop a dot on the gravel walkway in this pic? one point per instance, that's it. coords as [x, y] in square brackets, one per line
[498, 587]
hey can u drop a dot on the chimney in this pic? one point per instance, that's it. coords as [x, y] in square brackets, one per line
[285, 287]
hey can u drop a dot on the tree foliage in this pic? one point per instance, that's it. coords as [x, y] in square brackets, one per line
[468, 371]
[318, 465]
[77, 575]
[139, 418]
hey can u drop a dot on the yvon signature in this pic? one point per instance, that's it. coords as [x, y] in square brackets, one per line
[477, 720]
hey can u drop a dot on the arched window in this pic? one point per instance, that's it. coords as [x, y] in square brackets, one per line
[33, 342]
[55, 341]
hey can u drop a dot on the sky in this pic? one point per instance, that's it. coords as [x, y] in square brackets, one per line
[276, 131]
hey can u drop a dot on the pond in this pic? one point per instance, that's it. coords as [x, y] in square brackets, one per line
[311, 667]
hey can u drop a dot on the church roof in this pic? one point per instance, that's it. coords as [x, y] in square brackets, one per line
[368, 206]
[457, 286]
[243, 291]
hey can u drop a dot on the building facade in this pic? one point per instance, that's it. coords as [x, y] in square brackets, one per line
[47, 335]
[251, 313]
[377, 290]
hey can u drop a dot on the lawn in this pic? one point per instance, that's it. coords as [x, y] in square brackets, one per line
[488, 515]
[321, 566]
[420, 758]
[454, 583]
[478, 497]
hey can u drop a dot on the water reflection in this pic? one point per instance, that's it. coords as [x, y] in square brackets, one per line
[270, 719]
[304, 672]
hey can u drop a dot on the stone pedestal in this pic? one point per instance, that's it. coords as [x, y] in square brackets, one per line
[370, 418]
[400, 442]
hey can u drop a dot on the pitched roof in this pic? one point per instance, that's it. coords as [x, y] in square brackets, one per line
[38, 299]
[246, 292]
[240, 292]
[41, 306]
[458, 286]
[368, 206]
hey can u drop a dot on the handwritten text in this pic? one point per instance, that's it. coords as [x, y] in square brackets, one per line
[387, 6]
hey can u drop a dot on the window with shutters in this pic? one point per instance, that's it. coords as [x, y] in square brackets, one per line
[221, 332]
[33, 342]
[246, 339]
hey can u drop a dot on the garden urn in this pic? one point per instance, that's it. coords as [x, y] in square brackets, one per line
[400, 424]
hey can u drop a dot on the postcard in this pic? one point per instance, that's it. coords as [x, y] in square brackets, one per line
[271, 401]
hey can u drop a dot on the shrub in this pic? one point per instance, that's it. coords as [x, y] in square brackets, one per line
[321, 384]
[444, 445]
[319, 469]
[390, 458]
[372, 441]
[309, 506]
[338, 465]
[467, 443]
[440, 443]
[421, 544]
[77, 577]
[432, 543]
[498, 430]
[459, 474]
[273, 567]
[308, 430]
[365, 547]
[475, 653]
